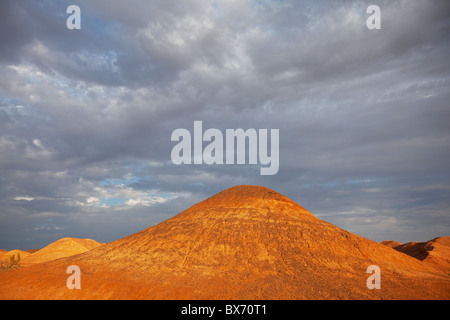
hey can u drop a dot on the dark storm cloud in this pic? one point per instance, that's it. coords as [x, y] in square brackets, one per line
[87, 114]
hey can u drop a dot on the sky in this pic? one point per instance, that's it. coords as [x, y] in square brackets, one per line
[86, 115]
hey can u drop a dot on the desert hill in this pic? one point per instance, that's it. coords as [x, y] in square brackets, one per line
[5, 255]
[435, 252]
[61, 248]
[246, 242]
[391, 243]
[16, 254]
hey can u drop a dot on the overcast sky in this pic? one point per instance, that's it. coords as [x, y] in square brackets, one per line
[86, 115]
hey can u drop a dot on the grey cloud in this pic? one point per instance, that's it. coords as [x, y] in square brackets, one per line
[362, 114]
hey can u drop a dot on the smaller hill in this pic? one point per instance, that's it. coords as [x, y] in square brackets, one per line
[391, 243]
[17, 257]
[6, 255]
[435, 253]
[61, 248]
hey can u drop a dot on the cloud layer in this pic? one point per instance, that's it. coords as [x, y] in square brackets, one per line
[87, 115]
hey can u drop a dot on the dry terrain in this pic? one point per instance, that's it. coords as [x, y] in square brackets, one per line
[246, 242]
[435, 252]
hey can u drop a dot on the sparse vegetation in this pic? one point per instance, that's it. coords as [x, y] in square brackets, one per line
[13, 263]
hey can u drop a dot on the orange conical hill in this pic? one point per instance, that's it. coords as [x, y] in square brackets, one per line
[230, 231]
[61, 248]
